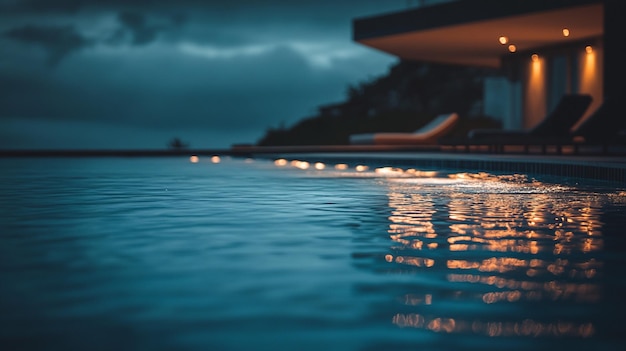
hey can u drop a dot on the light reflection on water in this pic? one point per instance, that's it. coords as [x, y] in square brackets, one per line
[206, 253]
[519, 242]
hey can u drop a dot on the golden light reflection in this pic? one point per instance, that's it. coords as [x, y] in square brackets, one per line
[518, 239]
[389, 171]
[300, 164]
[525, 328]
[483, 176]
[393, 173]
[194, 159]
[531, 290]
[420, 174]
[280, 162]
[216, 159]
[415, 300]
[414, 261]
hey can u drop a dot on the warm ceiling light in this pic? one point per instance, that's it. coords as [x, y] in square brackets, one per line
[589, 49]
[565, 32]
[512, 48]
[503, 40]
[535, 57]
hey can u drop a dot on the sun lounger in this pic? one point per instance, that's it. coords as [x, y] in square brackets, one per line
[428, 134]
[555, 128]
[601, 128]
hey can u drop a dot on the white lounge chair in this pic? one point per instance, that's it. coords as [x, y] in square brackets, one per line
[426, 135]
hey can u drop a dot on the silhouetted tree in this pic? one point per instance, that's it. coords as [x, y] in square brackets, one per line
[404, 99]
[177, 144]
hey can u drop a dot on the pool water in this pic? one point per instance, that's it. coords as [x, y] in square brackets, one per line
[236, 254]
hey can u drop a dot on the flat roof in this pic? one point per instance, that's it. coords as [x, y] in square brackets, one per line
[467, 32]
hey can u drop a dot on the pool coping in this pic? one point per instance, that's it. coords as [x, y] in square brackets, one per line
[611, 169]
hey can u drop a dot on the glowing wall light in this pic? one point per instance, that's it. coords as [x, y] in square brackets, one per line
[319, 166]
[589, 69]
[194, 159]
[535, 104]
[565, 32]
[536, 72]
[503, 40]
[512, 48]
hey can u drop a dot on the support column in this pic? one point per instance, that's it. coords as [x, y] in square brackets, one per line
[615, 56]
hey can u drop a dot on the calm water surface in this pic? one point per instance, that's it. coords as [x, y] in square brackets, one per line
[165, 254]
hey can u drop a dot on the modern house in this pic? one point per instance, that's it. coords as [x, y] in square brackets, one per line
[543, 49]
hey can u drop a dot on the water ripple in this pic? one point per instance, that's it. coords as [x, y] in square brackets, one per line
[167, 254]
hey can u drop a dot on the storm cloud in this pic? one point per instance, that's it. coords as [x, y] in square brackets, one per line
[140, 30]
[58, 41]
[197, 68]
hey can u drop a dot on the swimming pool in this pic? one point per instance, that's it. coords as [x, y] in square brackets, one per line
[232, 254]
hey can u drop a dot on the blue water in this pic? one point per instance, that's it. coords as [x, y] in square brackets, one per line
[166, 254]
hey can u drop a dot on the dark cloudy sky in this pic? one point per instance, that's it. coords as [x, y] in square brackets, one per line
[135, 73]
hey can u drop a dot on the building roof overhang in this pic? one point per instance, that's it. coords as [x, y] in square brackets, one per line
[467, 32]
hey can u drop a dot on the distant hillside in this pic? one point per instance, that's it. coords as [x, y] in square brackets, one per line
[409, 96]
